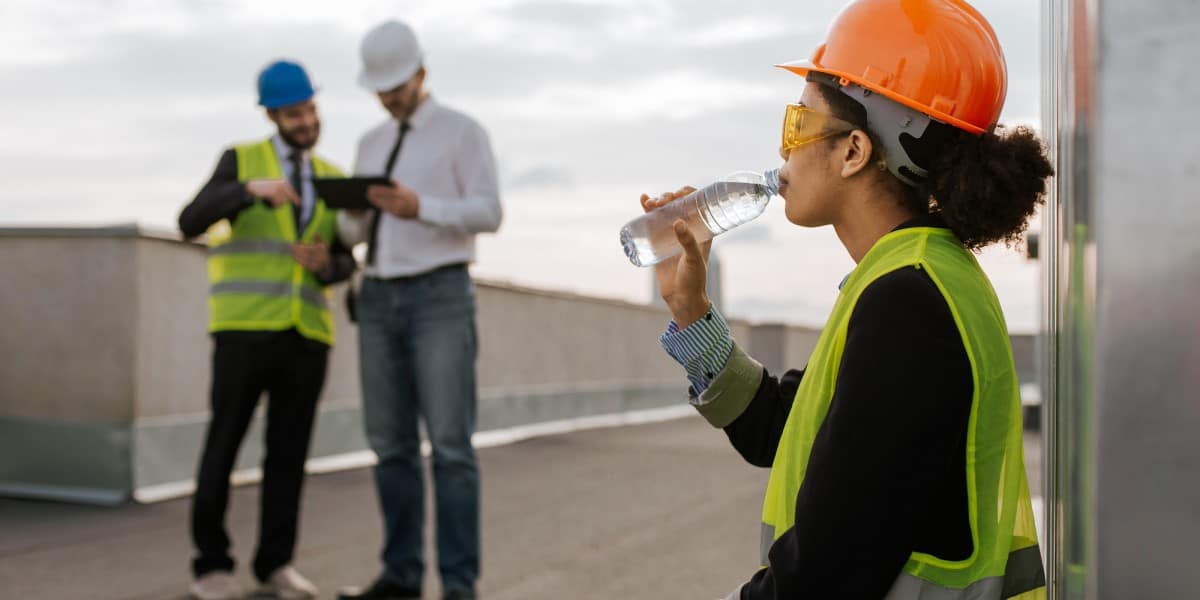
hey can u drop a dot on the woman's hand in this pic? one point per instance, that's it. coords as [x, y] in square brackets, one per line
[681, 279]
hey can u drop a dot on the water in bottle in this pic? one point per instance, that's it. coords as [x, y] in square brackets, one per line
[708, 212]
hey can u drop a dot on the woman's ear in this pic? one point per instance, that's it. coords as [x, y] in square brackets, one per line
[856, 153]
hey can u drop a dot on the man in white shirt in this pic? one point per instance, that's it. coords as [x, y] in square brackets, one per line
[416, 313]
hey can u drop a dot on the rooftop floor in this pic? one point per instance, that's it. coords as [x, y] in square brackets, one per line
[665, 510]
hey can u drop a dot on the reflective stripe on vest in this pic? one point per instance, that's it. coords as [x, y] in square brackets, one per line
[252, 247]
[267, 288]
[1006, 561]
[1023, 574]
[254, 282]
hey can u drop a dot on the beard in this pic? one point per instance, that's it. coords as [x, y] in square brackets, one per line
[304, 142]
[403, 108]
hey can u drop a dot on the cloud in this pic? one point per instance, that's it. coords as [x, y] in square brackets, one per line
[571, 16]
[541, 176]
[740, 30]
[672, 95]
[588, 104]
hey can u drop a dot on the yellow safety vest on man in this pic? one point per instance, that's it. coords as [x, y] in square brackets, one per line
[255, 283]
[1006, 560]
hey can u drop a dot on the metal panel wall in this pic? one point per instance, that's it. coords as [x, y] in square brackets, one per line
[1147, 172]
[1122, 278]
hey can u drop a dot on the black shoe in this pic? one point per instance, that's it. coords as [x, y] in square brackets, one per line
[459, 595]
[382, 589]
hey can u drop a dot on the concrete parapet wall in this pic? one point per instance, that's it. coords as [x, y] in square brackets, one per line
[104, 386]
[67, 336]
[105, 378]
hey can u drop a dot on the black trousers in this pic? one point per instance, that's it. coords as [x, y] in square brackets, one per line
[291, 370]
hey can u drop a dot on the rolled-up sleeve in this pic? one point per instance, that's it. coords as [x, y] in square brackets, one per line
[732, 391]
[701, 348]
[723, 377]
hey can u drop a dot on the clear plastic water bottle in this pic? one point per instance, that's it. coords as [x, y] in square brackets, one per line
[708, 212]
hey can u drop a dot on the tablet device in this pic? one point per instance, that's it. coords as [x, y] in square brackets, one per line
[347, 192]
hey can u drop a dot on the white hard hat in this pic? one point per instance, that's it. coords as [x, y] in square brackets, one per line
[390, 56]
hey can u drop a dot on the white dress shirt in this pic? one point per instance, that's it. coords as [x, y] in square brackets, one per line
[447, 160]
[308, 193]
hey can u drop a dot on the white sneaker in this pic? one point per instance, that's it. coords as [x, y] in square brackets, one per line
[217, 585]
[286, 583]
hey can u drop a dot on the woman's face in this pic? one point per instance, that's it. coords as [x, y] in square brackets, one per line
[809, 179]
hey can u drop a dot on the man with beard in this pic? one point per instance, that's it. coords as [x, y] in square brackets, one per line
[416, 314]
[272, 251]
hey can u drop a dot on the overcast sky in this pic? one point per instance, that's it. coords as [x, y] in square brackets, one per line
[116, 110]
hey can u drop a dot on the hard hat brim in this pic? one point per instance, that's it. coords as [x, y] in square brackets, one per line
[281, 102]
[382, 82]
[803, 67]
[799, 67]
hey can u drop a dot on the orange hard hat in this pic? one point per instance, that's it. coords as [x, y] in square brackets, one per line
[939, 57]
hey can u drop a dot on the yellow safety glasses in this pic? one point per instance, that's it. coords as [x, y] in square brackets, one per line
[803, 125]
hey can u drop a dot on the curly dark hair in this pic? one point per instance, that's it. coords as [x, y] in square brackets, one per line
[985, 187]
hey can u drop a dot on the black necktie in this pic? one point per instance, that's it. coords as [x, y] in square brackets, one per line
[297, 211]
[387, 172]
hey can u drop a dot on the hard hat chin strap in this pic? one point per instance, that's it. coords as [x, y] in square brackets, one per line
[898, 129]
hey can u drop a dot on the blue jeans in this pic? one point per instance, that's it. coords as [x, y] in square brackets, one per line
[417, 349]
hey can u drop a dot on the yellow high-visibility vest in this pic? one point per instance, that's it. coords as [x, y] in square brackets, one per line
[255, 284]
[1006, 561]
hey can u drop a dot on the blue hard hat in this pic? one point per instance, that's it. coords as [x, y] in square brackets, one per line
[282, 83]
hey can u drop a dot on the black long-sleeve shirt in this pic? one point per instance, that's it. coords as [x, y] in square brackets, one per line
[223, 197]
[887, 472]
